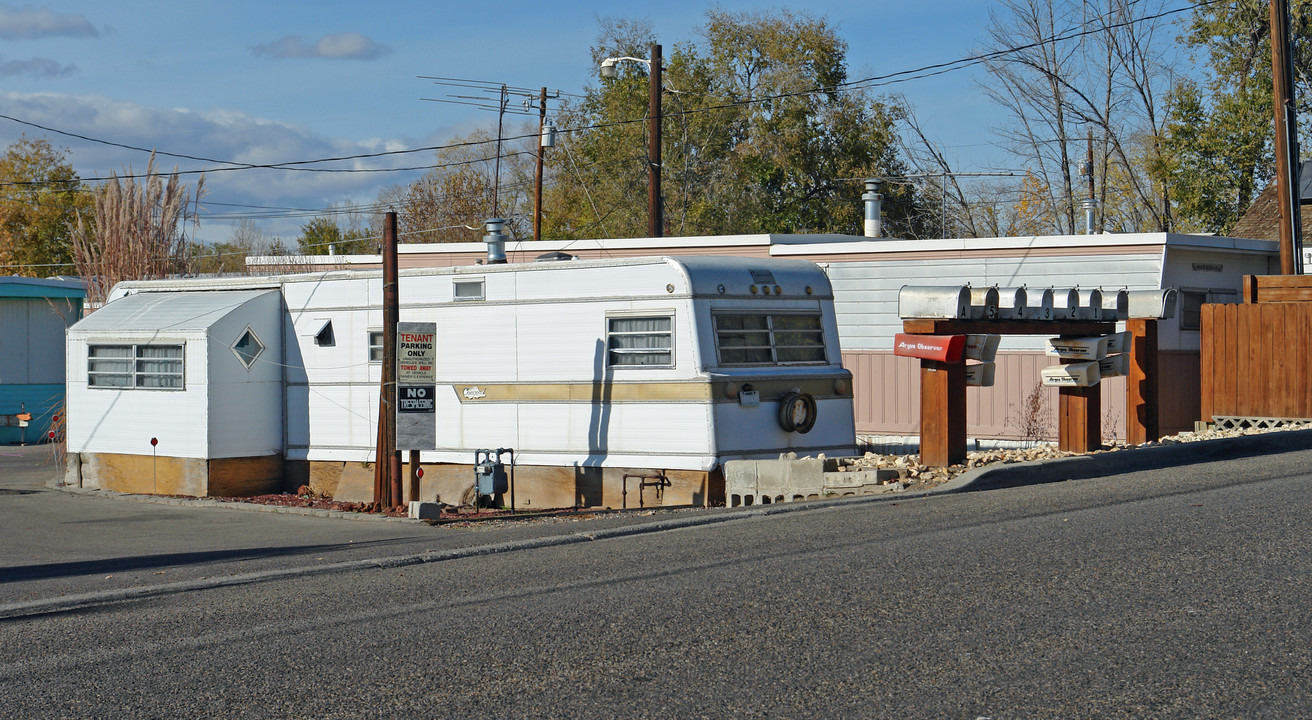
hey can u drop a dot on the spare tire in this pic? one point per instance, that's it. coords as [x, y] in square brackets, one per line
[797, 412]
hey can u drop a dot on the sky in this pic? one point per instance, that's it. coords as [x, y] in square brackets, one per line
[261, 82]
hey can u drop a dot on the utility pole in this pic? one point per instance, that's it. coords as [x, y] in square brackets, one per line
[655, 213]
[545, 140]
[496, 187]
[387, 460]
[1286, 132]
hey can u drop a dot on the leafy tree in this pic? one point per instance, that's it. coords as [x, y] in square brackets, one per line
[759, 135]
[1218, 136]
[324, 233]
[40, 199]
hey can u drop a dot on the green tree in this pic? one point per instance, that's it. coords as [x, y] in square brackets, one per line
[759, 136]
[40, 199]
[324, 233]
[1218, 136]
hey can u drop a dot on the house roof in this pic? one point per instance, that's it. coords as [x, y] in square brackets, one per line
[1261, 221]
[14, 286]
[172, 312]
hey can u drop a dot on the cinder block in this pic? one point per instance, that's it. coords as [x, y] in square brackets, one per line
[420, 510]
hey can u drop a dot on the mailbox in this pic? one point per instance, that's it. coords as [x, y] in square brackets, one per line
[938, 302]
[982, 347]
[943, 348]
[1118, 343]
[1084, 374]
[1085, 348]
[1114, 366]
[1115, 304]
[984, 303]
[1151, 304]
[981, 374]
[1065, 304]
[1011, 303]
[1090, 307]
[1038, 304]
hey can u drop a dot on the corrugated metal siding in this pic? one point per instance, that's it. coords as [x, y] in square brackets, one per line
[888, 395]
[865, 293]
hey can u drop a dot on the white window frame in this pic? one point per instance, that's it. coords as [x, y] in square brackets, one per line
[482, 289]
[669, 334]
[370, 347]
[136, 374]
[773, 347]
[258, 353]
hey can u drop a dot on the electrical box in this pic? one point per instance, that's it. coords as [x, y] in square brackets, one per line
[490, 473]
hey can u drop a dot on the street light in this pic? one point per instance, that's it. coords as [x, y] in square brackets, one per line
[655, 219]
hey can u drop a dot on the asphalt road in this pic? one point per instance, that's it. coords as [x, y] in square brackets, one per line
[1176, 591]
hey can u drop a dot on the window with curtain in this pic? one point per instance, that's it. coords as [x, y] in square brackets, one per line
[157, 367]
[769, 339]
[640, 341]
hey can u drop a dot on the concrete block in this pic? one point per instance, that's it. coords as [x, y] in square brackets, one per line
[420, 510]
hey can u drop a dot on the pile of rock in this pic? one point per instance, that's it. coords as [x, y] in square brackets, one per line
[913, 475]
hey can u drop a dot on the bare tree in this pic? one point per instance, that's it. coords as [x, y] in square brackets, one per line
[139, 230]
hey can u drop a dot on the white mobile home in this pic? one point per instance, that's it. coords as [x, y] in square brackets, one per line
[867, 273]
[590, 370]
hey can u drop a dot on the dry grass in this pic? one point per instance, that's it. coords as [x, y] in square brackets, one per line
[139, 231]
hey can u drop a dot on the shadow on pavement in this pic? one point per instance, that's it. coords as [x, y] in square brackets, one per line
[1137, 460]
[149, 562]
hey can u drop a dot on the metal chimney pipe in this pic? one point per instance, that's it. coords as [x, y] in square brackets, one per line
[496, 241]
[1090, 205]
[874, 207]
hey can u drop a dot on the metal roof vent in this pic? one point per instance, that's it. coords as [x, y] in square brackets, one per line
[554, 256]
[496, 241]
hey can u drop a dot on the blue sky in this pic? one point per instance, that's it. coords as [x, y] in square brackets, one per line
[261, 82]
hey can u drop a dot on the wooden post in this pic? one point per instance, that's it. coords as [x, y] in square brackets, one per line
[1079, 414]
[942, 413]
[1142, 384]
[414, 475]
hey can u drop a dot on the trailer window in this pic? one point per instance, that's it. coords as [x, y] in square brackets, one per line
[135, 366]
[375, 346]
[640, 341]
[765, 339]
[468, 289]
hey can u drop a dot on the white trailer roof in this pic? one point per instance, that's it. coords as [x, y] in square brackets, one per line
[178, 311]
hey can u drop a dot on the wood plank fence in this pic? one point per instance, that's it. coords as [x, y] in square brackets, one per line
[1254, 359]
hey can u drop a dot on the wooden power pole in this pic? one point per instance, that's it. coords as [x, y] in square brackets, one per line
[1286, 142]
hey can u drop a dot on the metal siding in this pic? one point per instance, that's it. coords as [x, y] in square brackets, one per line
[123, 421]
[865, 293]
[47, 324]
[14, 341]
[246, 405]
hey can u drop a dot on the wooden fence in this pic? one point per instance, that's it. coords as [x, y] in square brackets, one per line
[1254, 360]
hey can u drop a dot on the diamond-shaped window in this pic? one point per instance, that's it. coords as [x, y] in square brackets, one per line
[247, 348]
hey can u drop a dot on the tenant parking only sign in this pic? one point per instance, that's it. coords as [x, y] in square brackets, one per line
[416, 385]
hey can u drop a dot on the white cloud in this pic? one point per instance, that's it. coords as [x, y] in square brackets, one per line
[339, 46]
[219, 135]
[29, 22]
[36, 68]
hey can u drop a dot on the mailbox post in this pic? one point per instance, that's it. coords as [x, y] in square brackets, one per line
[1142, 423]
[1079, 412]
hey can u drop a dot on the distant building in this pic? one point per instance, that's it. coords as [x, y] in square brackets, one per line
[1261, 221]
[34, 315]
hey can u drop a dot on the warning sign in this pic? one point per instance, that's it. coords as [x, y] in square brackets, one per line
[416, 398]
[416, 386]
[416, 356]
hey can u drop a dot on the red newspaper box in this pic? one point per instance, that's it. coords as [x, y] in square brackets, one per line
[943, 348]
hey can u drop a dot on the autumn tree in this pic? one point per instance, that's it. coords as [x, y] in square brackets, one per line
[340, 232]
[1219, 129]
[40, 198]
[761, 134]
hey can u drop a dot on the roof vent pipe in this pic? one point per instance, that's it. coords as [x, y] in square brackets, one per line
[496, 241]
[874, 207]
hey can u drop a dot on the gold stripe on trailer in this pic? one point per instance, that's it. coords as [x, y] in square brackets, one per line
[636, 392]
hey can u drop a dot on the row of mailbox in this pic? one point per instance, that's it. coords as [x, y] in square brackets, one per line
[962, 302]
[1105, 356]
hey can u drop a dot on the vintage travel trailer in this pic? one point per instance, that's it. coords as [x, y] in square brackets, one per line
[867, 274]
[615, 382]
